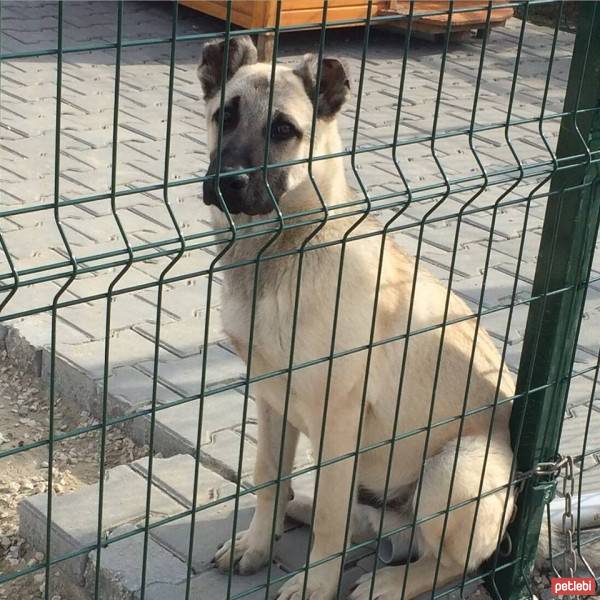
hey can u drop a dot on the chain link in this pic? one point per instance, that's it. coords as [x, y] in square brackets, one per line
[553, 470]
[570, 557]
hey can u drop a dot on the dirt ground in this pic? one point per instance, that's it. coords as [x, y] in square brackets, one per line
[23, 420]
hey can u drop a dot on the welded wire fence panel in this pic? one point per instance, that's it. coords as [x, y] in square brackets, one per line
[399, 260]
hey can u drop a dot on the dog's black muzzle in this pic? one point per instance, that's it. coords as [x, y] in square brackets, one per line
[233, 189]
[241, 192]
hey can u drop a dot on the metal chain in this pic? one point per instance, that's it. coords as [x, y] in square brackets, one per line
[570, 557]
[553, 470]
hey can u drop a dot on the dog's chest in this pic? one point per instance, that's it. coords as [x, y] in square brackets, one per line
[262, 317]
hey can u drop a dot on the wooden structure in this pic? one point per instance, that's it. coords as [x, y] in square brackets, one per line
[431, 25]
[252, 14]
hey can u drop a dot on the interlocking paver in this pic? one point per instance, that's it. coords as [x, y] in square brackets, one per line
[211, 585]
[575, 427]
[127, 347]
[214, 525]
[224, 452]
[220, 411]
[132, 390]
[175, 476]
[74, 528]
[127, 311]
[121, 568]
[185, 299]
[185, 374]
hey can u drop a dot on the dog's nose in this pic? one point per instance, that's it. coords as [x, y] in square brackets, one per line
[234, 183]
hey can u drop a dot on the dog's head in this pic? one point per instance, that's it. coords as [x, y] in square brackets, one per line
[246, 127]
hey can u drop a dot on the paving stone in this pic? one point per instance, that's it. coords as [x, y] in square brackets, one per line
[185, 374]
[185, 338]
[588, 335]
[496, 323]
[212, 585]
[121, 567]
[106, 228]
[186, 299]
[223, 455]
[25, 242]
[71, 383]
[292, 547]
[191, 263]
[179, 424]
[580, 393]
[175, 476]
[214, 526]
[85, 286]
[127, 310]
[574, 427]
[73, 527]
[32, 297]
[133, 389]
[498, 289]
[36, 329]
[126, 348]
[23, 352]
[591, 480]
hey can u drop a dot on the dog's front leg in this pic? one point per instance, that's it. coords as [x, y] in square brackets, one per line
[333, 501]
[252, 546]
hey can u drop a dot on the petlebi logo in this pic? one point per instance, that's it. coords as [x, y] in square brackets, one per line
[569, 586]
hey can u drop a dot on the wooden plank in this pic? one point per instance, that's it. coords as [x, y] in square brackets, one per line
[438, 23]
[423, 6]
[477, 17]
[250, 13]
[304, 4]
[309, 16]
[265, 15]
[242, 11]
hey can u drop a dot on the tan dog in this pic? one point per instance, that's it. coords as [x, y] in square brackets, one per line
[440, 381]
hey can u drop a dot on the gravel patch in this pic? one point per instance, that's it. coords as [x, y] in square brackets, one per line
[24, 408]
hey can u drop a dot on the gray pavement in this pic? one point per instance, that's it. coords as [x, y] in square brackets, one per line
[27, 168]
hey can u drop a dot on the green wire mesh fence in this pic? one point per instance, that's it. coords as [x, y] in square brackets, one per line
[509, 229]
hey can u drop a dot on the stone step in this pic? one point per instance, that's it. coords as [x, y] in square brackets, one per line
[74, 523]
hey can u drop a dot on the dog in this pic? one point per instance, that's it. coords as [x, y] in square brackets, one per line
[343, 306]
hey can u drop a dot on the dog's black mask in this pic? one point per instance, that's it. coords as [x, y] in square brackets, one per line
[243, 192]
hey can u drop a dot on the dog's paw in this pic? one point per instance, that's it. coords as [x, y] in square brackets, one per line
[317, 588]
[249, 554]
[388, 585]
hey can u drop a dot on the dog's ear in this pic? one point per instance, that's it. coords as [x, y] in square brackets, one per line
[242, 51]
[335, 84]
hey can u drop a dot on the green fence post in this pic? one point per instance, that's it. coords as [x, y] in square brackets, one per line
[565, 255]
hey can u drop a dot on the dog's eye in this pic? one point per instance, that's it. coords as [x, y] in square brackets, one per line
[230, 114]
[282, 131]
[228, 117]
